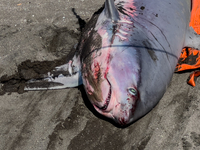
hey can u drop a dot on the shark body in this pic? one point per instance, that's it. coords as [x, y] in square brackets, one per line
[126, 56]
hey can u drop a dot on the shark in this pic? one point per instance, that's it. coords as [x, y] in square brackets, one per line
[126, 56]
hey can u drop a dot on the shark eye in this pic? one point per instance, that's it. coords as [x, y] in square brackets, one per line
[132, 91]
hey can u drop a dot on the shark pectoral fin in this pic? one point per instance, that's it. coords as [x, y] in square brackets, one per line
[59, 82]
[64, 76]
[192, 39]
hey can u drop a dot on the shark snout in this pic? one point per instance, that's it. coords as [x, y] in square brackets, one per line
[120, 108]
[123, 112]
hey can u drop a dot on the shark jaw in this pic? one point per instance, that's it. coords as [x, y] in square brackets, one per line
[118, 110]
[118, 103]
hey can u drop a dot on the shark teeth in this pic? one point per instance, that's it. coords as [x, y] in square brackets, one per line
[107, 101]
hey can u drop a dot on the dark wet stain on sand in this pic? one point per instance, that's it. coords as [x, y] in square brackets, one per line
[95, 139]
[26, 128]
[26, 70]
[56, 41]
[143, 143]
[71, 122]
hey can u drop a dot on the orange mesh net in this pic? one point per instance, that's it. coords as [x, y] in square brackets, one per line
[190, 58]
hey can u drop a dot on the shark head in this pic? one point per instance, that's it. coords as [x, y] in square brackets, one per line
[111, 73]
[111, 83]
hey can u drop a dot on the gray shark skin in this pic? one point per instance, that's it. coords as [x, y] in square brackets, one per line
[126, 56]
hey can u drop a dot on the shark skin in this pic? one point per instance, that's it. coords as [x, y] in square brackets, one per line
[128, 75]
[127, 55]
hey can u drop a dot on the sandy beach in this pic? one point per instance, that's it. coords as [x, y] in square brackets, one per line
[44, 32]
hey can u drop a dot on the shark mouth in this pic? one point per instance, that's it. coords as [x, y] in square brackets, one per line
[107, 100]
[105, 106]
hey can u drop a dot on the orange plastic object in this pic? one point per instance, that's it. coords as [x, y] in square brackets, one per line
[190, 58]
[195, 15]
[192, 77]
